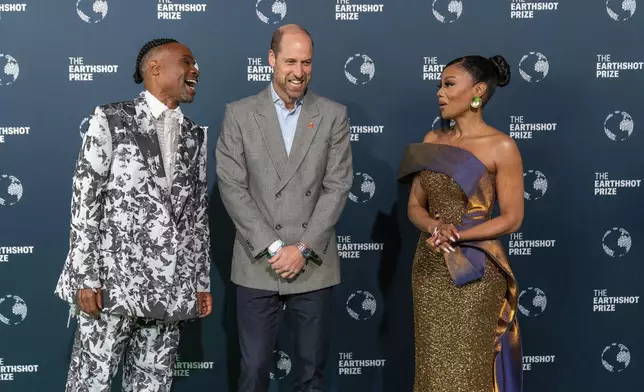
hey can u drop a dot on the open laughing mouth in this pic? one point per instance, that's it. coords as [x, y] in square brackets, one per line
[191, 83]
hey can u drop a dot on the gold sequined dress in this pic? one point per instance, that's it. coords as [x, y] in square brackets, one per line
[466, 334]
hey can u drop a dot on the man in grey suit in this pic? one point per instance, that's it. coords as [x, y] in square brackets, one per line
[284, 166]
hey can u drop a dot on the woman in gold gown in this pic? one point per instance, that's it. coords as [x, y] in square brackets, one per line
[464, 292]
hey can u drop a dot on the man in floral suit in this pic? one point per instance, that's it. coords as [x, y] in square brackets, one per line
[138, 262]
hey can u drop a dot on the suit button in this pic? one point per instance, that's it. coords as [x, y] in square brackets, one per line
[308, 193]
[279, 194]
[304, 225]
[278, 227]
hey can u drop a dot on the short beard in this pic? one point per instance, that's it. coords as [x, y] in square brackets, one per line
[186, 98]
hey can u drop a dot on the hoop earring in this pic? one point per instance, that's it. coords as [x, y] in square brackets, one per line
[476, 102]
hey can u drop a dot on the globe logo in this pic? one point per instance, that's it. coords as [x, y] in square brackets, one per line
[362, 189]
[535, 185]
[10, 70]
[271, 11]
[10, 190]
[620, 10]
[282, 365]
[13, 310]
[447, 11]
[91, 11]
[361, 305]
[616, 242]
[359, 69]
[534, 67]
[532, 302]
[84, 126]
[619, 126]
[616, 357]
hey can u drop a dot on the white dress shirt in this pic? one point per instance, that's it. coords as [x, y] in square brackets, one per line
[168, 124]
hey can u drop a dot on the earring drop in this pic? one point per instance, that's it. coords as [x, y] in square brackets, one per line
[476, 102]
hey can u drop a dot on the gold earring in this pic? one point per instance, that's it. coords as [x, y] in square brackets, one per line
[476, 102]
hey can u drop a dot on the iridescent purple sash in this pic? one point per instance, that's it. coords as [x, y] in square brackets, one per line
[467, 264]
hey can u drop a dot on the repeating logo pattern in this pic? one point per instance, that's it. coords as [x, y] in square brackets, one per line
[363, 188]
[13, 310]
[534, 67]
[619, 126]
[9, 70]
[616, 242]
[359, 69]
[447, 11]
[532, 302]
[543, 75]
[282, 365]
[10, 190]
[616, 358]
[621, 10]
[536, 185]
[361, 305]
[271, 11]
[91, 11]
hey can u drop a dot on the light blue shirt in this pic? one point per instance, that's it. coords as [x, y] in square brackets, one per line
[287, 118]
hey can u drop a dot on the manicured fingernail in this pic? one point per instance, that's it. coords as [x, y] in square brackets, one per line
[452, 249]
[452, 238]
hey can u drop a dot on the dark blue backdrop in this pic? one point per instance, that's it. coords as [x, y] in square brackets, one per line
[573, 105]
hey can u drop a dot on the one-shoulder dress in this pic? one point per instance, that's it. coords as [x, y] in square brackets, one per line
[465, 303]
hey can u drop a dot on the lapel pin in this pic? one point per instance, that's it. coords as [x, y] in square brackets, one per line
[311, 125]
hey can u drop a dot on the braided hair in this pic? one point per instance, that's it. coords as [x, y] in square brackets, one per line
[493, 71]
[145, 53]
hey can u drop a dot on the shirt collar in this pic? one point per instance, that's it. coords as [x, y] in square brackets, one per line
[157, 107]
[277, 99]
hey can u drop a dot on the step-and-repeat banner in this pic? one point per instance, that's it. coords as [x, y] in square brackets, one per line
[573, 106]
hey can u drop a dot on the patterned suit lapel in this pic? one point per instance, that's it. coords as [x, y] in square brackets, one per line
[307, 127]
[146, 138]
[185, 160]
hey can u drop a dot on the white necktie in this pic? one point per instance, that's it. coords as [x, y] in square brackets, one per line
[169, 145]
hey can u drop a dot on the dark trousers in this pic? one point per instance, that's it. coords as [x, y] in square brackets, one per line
[308, 316]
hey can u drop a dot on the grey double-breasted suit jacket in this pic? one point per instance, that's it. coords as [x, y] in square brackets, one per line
[297, 197]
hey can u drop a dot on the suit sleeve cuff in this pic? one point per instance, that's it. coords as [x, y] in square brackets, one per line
[266, 251]
[88, 283]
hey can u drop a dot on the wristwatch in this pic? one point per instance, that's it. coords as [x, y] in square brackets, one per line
[305, 250]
